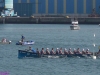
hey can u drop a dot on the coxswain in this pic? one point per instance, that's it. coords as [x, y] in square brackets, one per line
[22, 38]
[33, 50]
[52, 52]
[47, 51]
[30, 48]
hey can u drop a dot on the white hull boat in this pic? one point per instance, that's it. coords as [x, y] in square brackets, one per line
[74, 25]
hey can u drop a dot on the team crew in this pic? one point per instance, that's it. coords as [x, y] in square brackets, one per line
[60, 51]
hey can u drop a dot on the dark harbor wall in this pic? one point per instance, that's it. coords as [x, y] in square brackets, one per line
[47, 20]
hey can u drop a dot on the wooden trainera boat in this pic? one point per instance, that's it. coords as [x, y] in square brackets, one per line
[24, 54]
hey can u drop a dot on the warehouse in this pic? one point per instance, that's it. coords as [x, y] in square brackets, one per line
[42, 7]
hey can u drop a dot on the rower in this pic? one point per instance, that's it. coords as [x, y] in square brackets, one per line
[74, 51]
[78, 51]
[42, 51]
[98, 52]
[83, 52]
[47, 51]
[60, 51]
[65, 51]
[38, 51]
[57, 51]
[87, 51]
[69, 51]
[34, 51]
[52, 52]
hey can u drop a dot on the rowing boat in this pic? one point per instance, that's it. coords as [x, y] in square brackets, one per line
[25, 53]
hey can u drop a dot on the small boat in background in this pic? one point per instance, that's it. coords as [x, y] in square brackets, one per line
[25, 43]
[74, 25]
[5, 41]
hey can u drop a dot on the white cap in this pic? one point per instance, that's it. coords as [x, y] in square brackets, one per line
[9, 41]
[74, 49]
[87, 49]
[65, 49]
[83, 49]
[47, 48]
[57, 48]
[69, 48]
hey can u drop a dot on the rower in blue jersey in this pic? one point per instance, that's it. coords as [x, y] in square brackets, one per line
[22, 38]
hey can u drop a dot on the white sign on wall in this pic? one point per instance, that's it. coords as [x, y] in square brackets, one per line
[9, 4]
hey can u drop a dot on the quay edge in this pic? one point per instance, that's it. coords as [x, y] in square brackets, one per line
[47, 20]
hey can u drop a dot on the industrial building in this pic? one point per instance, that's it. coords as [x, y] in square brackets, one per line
[56, 7]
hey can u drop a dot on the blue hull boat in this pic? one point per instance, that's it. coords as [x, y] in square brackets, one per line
[24, 54]
[25, 43]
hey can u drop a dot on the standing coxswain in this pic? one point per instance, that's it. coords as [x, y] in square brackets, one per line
[22, 38]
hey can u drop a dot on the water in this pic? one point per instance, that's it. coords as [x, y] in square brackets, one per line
[51, 36]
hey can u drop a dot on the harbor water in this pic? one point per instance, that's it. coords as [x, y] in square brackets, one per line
[49, 36]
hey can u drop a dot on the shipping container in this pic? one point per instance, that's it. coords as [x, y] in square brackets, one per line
[98, 6]
[70, 6]
[80, 6]
[89, 6]
[50, 6]
[60, 6]
[41, 6]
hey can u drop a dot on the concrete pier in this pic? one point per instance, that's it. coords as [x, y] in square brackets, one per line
[47, 20]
